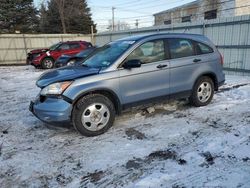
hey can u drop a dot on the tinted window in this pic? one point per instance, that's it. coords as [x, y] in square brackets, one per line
[203, 48]
[64, 47]
[54, 46]
[74, 45]
[167, 22]
[212, 14]
[186, 19]
[180, 48]
[89, 45]
[149, 52]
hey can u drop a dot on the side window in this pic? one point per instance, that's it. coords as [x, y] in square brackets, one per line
[74, 45]
[180, 48]
[149, 52]
[89, 45]
[203, 48]
[64, 47]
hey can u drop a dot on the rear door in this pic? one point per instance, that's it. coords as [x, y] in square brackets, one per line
[74, 48]
[183, 64]
[149, 81]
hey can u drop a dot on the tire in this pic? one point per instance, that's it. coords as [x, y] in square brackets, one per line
[47, 63]
[203, 92]
[93, 115]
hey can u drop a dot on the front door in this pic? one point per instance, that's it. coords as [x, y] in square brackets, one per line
[149, 81]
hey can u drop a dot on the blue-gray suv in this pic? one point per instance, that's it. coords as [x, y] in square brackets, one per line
[129, 72]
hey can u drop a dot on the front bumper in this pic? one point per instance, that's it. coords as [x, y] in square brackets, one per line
[54, 111]
[36, 62]
[59, 64]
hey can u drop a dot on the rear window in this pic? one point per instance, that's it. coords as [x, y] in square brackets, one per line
[180, 48]
[203, 48]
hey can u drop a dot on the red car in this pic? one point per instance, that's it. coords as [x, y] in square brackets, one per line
[46, 58]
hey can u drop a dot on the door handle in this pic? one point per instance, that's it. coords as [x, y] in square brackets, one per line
[196, 60]
[161, 66]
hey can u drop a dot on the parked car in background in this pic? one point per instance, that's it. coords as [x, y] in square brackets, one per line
[66, 60]
[45, 58]
[129, 72]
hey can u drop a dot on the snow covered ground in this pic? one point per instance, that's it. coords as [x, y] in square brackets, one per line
[167, 145]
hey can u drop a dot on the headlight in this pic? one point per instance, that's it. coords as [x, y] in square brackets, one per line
[36, 55]
[56, 88]
[71, 62]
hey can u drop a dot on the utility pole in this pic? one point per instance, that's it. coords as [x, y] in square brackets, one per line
[137, 23]
[113, 18]
[92, 34]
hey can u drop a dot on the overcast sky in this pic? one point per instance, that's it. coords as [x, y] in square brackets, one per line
[127, 10]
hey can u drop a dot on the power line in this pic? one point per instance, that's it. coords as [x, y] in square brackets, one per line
[190, 8]
[152, 6]
[174, 18]
[138, 3]
[130, 2]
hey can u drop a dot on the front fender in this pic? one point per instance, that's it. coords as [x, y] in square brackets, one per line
[100, 82]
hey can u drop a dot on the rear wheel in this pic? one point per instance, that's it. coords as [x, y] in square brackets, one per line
[93, 115]
[203, 92]
[47, 63]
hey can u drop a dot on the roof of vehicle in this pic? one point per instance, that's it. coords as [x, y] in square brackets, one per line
[75, 41]
[141, 37]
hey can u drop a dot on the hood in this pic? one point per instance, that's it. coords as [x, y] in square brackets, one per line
[64, 57]
[37, 51]
[65, 74]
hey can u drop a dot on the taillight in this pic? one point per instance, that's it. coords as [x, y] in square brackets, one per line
[221, 59]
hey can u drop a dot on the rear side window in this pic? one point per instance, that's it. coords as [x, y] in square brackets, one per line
[149, 52]
[89, 45]
[74, 45]
[64, 46]
[180, 48]
[203, 48]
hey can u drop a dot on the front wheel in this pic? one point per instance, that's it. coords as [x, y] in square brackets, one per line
[93, 115]
[47, 63]
[203, 92]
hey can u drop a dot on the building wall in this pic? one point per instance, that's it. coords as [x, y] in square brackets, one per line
[244, 7]
[197, 9]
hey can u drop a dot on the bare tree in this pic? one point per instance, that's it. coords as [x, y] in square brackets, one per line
[61, 4]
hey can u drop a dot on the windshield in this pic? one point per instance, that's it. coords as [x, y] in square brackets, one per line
[108, 54]
[54, 46]
[85, 53]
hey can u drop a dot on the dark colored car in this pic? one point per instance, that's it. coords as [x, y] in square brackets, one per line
[126, 73]
[45, 58]
[66, 60]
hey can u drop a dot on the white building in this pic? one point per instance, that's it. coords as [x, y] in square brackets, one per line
[203, 10]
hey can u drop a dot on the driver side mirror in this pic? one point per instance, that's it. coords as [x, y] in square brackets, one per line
[133, 63]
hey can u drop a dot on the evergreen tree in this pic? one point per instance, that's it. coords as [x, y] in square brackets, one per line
[80, 20]
[18, 15]
[49, 18]
[63, 16]
[43, 22]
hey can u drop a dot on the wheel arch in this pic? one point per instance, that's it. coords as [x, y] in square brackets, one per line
[210, 75]
[103, 91]
[50, 57]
